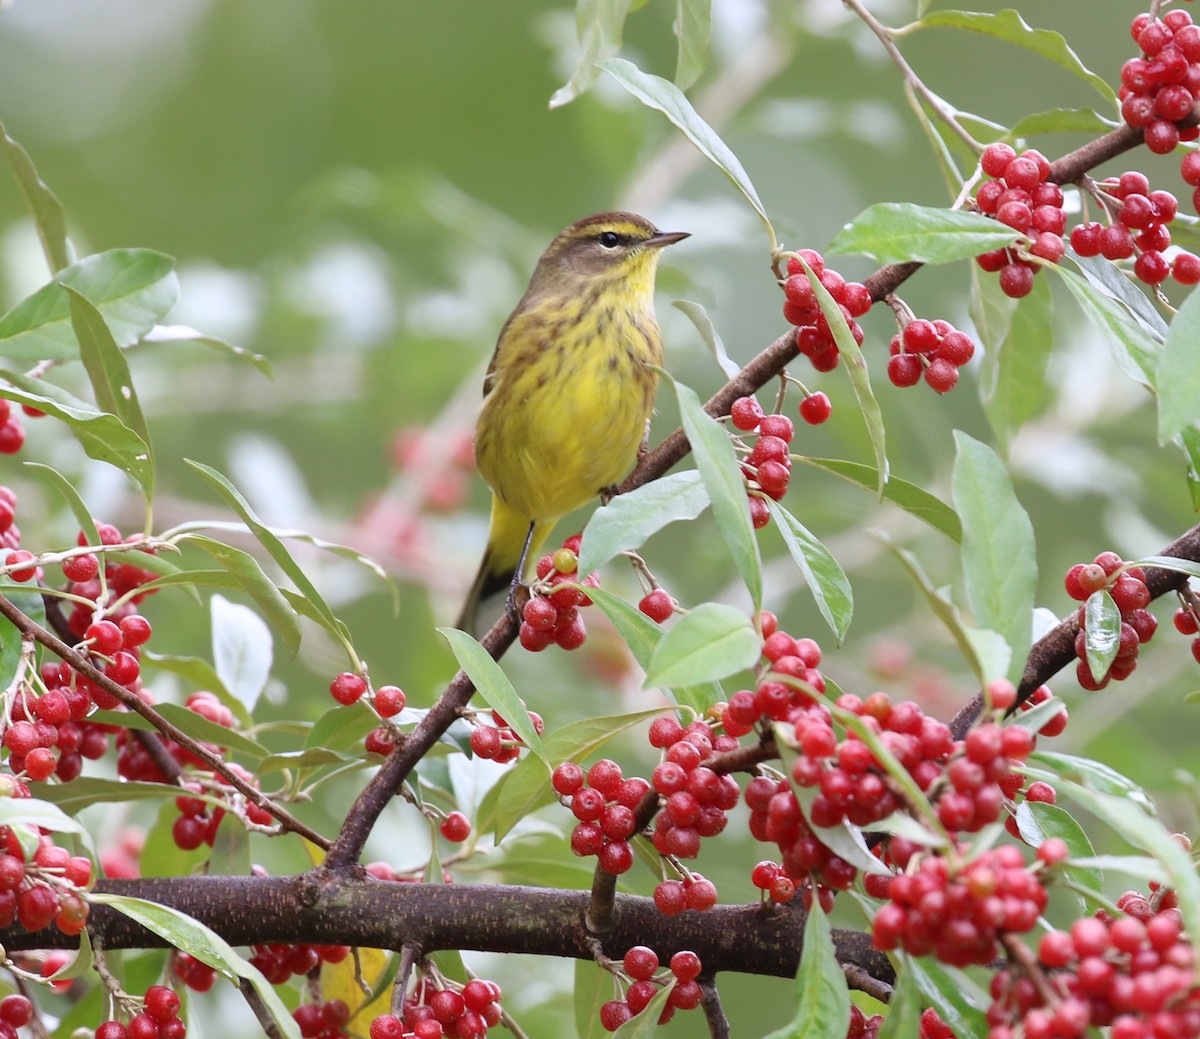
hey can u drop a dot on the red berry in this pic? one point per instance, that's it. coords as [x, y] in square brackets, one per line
[1016, 280]
[347, 688]
[657, 605]
[746, 413]
[815, 409]
[996, 157]
[455, 827]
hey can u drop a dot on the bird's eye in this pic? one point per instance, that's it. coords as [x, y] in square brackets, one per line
[609, 239]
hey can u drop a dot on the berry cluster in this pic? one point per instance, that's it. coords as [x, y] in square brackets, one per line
[453, 1011]
[279, 962]
[158, 1019]
[1021, 196]
[195, 974]
[767, 466]
[498, 742]
[800, 308]
[1127, 586]
[640, 969]
[1187, 622]
[327, 1020]
[605, 805]
[933, 349]
[552, 613]
[199, 819]
[957, 913]
[387, 701]
[794, 660]
[1134, 974]
[1141, 227]
[1159, 89]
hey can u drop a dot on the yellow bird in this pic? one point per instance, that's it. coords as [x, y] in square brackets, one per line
[569, 389]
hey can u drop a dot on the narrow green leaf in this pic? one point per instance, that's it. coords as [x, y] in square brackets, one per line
[693, 24]
[1133, 348]
[275, 548]
[708, 643]
[860, 375]
[522, 791]
[1037, 823]
[493, 685]
[195, 671]
[1111, 279]
[822, 995]
[79, 965]
[593, 988]
[1061, 120]
[708, 332]
[898, 232]
[1097, 775]
[1178, 379]
[950, 991]
[580, 739]
[242, 650]
[89, 790]
[243, 568]
[824, 576]
[1014, 386]
[998, 554]
[726, 487]
[342, 728]
[230, 854]
[11, 660]
[667, 98]
[627, 521]
[914, 500]
[200, 728]
[49, 217]
[642, 636]
[1190, 441]
[1172, 563]
[82, 514]
[169, 334]
[108, 373]
[201, 942]
[104, 437]
[1009, 26]
[600, 25]
[645, 1025]
[991, 313]
[132, 288]
[903, 1020]
[31, 811]
[1102, 632]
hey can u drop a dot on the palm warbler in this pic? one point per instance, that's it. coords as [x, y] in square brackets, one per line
[569, 389]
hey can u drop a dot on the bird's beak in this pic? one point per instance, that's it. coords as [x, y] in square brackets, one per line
[661, 238]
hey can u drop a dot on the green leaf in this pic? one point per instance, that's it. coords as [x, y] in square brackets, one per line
[642, 636]
[82, 514]
[899, 232]
[600, 25]
[200, 728]
[667, 98]
[645, 1025]
[242, 650]
[493, 685]
[522, 791]
[89, 790]
[824, 576]
[201, 942]
[914, 500]
[132, 288]
[168, 334]
[708, 332]
[856, 368]
[1190, 441]
[580, 739]
[1133, 348]
[950, 992]
[593, 988]
[627, 521]
[1013, 377]
[31, 811]
[708, 643]
[104, 437]
[822, 995]
[693, 24]
[1178, 379]
[1102, 632]
[726, 487]
[275, 548]
[109, 375]
[1009, 26]
[1039, 822]
[903, 1020]
[1112, 280]
[247, 575]
[1097, 775]
[1061, 120]
[30, 604]
[946, 611]
[342, 728]
[992, 313]
[998, 554]
[49, 217]
[1173, 563]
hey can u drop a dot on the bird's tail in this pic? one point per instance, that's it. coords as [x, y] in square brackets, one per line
[506, 540]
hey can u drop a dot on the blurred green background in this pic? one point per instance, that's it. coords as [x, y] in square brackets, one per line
[358, 191]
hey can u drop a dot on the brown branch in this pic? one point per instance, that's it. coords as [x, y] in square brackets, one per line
[81, 664]
[714, 1013]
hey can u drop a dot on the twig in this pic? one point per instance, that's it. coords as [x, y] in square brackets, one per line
[714, 1013]
[255, 1002]
[409, 954]
[862, 980]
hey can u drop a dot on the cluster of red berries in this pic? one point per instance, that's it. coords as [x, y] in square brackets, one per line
[957, 914]
[45, 889]
[1131, 596]
[605, 803]
[325, 1020]
[12, 433]
[158, 1019]
[1187, 622]
[431, 1013]
[279, 962]
[1134, 974]
[800, 308]
[785, 656]
[387, 701]
[195, 974]
[199, 819]
[15, 1012]
[640, 966]
[49, 734]
[1141, 228]
[551, 616]
[1022, 197]
[1159, 89]
[933, 349]
[499, 742]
